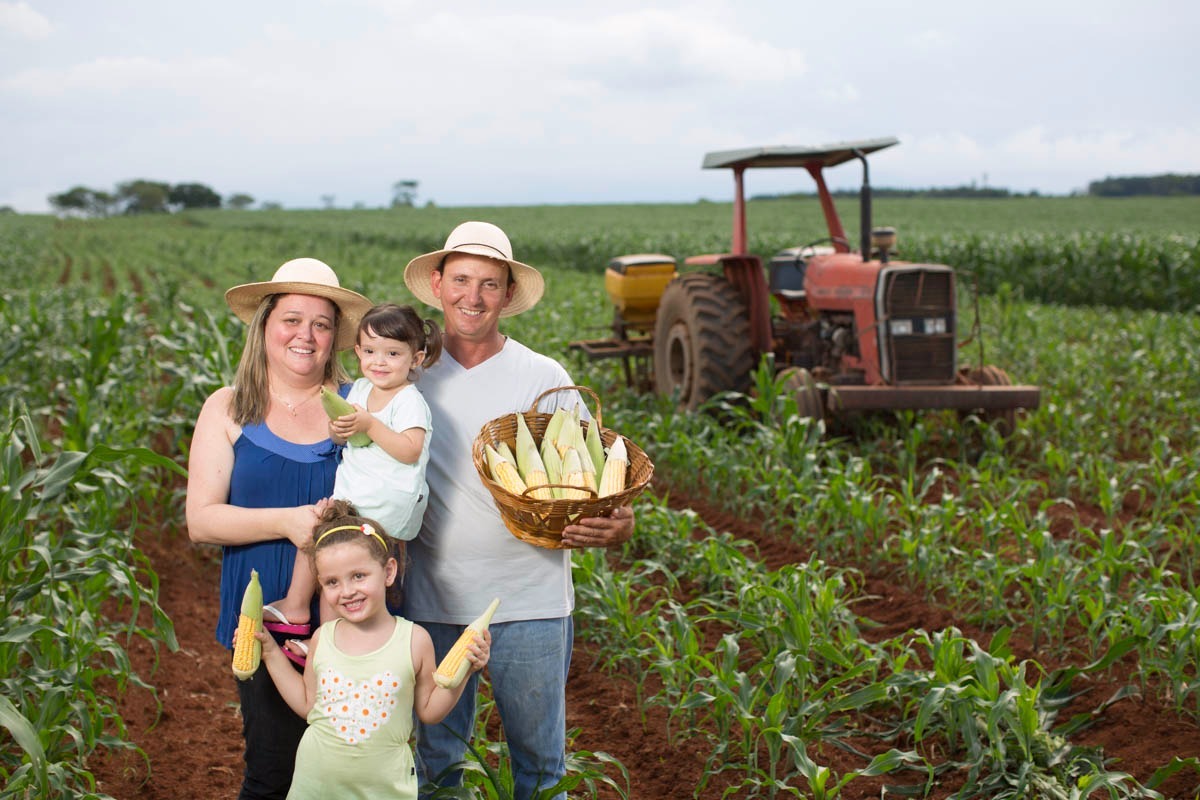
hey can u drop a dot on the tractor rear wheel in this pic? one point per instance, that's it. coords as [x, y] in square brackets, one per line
[1004, 420]
[701, 340]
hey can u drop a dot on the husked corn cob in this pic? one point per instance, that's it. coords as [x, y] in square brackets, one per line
[247, 650]
[554, 425]
[529, 463]
[564, 440]
[595, 446]
[455, 666]
[524, 440]
[506, 453]
[553, 465]
[504, 472]
[585, 459]
[337, 406]
[572, 475]
[612, 479]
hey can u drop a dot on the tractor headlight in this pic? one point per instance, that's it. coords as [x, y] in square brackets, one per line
[900, 327]
[935, 324]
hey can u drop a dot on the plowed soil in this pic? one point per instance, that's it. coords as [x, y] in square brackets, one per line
[193, 739]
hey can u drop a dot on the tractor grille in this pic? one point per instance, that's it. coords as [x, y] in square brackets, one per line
[925, 297]
[915, 293]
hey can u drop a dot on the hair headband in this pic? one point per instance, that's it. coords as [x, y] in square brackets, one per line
[365, 529]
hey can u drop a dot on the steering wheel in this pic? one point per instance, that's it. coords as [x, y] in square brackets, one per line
[833, 240]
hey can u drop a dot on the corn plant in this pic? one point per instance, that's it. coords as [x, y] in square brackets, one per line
[487, 773]
[64, 552]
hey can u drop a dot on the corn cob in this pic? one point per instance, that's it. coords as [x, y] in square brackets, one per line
[338, 406]
[585, 459]
[523, 443]
[553, 465]
[564, 440]
[595, 446]
[572, 475]
[247, 650]
[554, 425]
[504, 472]
[455, 665]
[612, 479]
[529, 463]
[507, 454]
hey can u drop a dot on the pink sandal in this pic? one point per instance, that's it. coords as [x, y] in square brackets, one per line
[281, 624]
[297, 660]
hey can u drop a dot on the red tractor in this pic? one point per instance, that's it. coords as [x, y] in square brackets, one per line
[854, 330]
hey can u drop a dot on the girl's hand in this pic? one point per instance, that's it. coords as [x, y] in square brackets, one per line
[269, 645]
[347, 425]
[479, 651]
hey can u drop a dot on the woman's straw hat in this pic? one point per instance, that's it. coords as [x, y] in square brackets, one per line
[304, 276]
[481, 239]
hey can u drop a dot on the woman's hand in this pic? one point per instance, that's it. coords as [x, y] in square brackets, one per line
[305, 520]
[610, 531]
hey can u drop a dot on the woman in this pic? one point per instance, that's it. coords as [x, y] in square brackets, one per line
[261, 466]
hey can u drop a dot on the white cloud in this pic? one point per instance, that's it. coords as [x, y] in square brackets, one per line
[844, 94]
[20, 20]
[953, 145]
[116, 75]
[1112, 152]
[537, 100]
[930, 40]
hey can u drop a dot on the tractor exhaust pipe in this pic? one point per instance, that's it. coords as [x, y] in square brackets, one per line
[864, 208]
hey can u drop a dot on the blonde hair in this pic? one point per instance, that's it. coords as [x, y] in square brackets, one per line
[251, 387]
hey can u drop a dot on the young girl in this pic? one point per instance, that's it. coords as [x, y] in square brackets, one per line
[385, 480]
[367, 671]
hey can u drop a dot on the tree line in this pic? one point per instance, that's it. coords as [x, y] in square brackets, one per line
[143, 197]
[156, 197]
[1168, 184]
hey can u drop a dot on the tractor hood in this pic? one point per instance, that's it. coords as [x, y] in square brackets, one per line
[829, 155]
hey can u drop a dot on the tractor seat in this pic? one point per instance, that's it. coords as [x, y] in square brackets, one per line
[786, 271]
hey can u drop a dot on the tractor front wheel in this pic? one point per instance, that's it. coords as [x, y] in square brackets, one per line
[800, 383]
[1004, 420]
[701, 340]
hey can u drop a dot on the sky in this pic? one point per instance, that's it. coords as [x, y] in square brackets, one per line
[310, 103]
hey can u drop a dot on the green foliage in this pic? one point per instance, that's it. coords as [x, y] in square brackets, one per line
[1082, 521]
[1166, 185]
[144, 197]
[193, 195]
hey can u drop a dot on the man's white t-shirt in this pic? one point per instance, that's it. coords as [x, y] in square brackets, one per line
[464, 556]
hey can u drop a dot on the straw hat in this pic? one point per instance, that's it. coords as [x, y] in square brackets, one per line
[304, 276]
[481, 239]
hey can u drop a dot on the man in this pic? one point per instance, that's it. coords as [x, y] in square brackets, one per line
[464, 556]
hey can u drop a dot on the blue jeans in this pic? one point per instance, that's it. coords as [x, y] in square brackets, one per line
[528, 672]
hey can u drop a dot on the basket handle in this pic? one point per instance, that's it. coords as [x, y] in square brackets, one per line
[595, 399]
[594, 494]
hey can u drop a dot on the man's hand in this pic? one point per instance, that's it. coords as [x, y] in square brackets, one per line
[607, 531]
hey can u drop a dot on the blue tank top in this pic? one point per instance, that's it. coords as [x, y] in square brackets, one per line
[270, 472]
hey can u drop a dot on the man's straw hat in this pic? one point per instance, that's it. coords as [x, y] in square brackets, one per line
[481, 239]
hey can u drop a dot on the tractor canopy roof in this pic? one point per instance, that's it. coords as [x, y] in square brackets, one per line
[828, 155]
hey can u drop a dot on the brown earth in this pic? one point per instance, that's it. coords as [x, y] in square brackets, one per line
[193, 742]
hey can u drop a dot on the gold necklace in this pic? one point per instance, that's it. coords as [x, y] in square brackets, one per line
[294, 407]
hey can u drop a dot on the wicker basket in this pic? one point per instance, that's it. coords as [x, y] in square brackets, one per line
[540, 522]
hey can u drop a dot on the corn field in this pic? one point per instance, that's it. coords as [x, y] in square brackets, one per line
[1078, 533]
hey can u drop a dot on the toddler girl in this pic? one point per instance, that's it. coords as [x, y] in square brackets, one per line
[384, 480]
